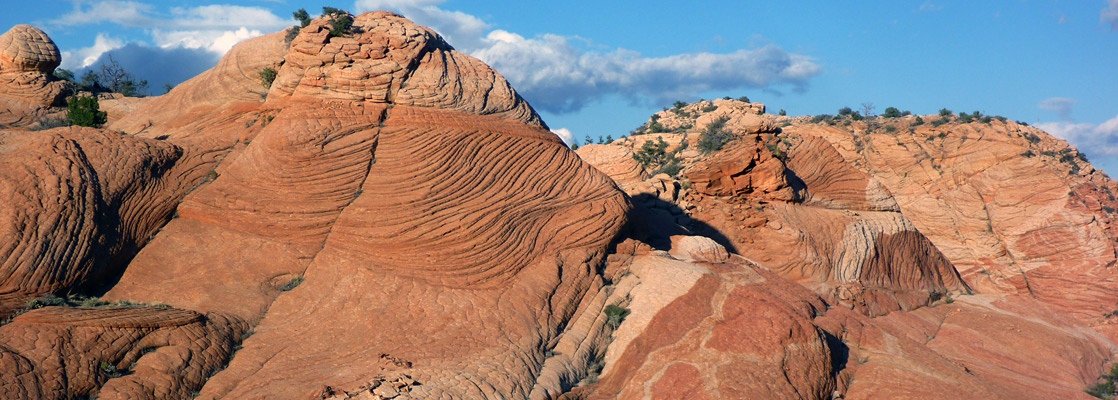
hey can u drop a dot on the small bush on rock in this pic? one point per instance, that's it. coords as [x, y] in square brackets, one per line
[85, 111]
[715, 136]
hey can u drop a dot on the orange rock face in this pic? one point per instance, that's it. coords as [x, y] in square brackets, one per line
[389, 219]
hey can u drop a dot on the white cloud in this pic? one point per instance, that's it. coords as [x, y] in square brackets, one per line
[461, 30]
[1095, 140]
[566, 135]
[556, 76]
[216, 41]
[85, 57]
[215, 28]
[1061, 105]
[929, 6]
[1110, 15]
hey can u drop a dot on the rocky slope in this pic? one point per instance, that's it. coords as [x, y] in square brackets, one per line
[389, 219]
[985, 228]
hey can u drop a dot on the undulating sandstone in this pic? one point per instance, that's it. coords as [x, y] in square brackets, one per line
[389, 219]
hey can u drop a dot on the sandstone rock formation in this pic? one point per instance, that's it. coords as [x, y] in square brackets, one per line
[389, 219]
[27, 59]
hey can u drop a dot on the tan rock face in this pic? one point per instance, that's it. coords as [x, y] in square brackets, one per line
[27, 59]
[1015, 212]
[615, 161]
[25, 48]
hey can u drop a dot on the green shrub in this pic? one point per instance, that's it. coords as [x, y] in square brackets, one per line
[918, 121]
[292, 284]
[709, 108]
[939, 122]
[944, 112]
[845, 111]
[1034, 139]
[1107, 388]
[267, 76]
[715, 136]
[616, 315]
[342, 22]
[823, 118]
[1028, 154]
[782, 112]
[303, 17]
[743, 99]
[587, 140]
[891, 112]
[856, 116]
[890, 129]
[656, 159]
[678, 104]
[966, 118]
[85, 111]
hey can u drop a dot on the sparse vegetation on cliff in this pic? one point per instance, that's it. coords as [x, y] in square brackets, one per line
[715, 136]
[267, 76]
[655, 158]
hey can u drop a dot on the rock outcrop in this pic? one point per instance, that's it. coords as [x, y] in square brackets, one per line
[388, 219]
[382, 168]
[27, 89]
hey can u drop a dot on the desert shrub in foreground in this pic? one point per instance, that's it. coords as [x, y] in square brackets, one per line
[85, 111]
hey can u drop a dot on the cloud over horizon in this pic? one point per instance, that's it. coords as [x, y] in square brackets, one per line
[184, 40]
[557, 76]
[1096, 141]
[1060, 105]
[1110, 15]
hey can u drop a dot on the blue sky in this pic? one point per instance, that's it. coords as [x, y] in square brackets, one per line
[600, 68]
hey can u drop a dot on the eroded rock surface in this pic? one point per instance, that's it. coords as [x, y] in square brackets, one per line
[28, 57]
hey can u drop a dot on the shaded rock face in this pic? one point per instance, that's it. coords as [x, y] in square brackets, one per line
[92, 197]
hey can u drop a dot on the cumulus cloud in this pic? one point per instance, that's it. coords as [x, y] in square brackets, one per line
[1061, 105]
[1097, 141]
[217, 41]
[215, 28]
[158, 65]
[1110, 15]
[557, 76]
[85, 57]
[566, 135]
